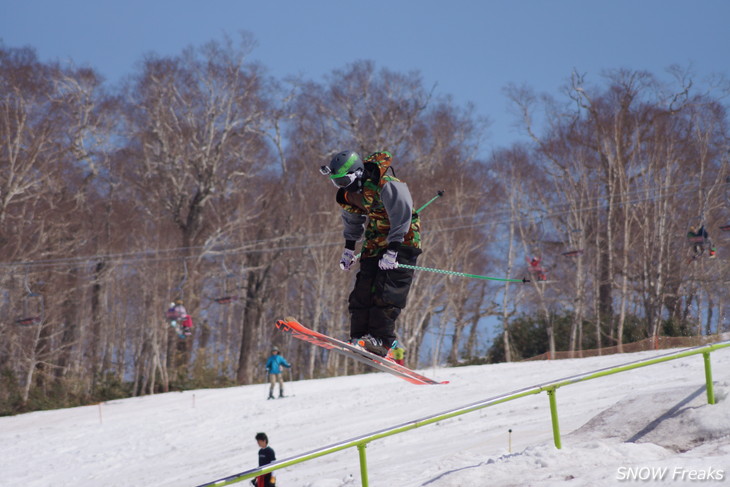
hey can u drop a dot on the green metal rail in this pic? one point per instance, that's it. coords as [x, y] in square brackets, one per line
[550, 388]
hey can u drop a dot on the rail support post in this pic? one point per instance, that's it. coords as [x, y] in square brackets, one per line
[708, 378]
[363, 464]
[554, 417]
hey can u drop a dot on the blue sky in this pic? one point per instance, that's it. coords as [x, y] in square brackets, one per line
[468, 49]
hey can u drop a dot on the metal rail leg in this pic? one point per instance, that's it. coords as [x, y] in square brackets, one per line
[363, 464]
[554, 416]
[708, 378]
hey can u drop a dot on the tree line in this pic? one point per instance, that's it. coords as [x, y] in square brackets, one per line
[197, 178]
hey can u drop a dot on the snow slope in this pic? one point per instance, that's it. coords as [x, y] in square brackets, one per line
[615, 430]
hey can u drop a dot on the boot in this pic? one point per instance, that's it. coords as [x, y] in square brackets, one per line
[373, 345]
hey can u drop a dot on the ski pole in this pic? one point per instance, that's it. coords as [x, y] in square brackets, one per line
[461, 274]
[438, 195]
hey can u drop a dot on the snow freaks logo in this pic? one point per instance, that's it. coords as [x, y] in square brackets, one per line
[653, 474]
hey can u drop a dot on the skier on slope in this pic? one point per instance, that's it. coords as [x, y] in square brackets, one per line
[368, 195]
[273, 366]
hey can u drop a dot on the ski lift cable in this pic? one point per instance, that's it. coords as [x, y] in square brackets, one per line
[154, 255]
[145, 255]
[564, 208]
[494, 217]
[556, 214]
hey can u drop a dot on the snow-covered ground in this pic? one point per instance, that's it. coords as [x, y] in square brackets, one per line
[652, 422]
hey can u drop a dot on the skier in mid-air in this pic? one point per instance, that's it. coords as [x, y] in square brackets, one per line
[368, 195]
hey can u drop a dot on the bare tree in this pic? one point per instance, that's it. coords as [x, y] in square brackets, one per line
[200, 180]
[196, 127]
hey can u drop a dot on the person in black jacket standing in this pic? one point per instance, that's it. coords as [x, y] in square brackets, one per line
[266, 456]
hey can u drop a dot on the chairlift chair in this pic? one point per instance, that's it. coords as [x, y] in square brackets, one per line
[225, 299]
[572, 253]
[33, 309]
[698, 240]
[697, 234]
[229, 284]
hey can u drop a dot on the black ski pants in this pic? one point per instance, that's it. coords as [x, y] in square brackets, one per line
[379, 296]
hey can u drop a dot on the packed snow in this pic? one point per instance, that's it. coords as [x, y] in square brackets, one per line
[652, 425]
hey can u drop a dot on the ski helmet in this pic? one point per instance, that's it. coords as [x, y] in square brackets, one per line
[344, 168]
[275, 349]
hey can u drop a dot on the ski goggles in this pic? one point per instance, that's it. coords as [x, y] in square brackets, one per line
[339, 182]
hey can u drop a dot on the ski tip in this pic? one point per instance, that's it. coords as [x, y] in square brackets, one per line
[289, 318]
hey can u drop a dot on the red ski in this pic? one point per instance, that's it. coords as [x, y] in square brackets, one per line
[297, 330]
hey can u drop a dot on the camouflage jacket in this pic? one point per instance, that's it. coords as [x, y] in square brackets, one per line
[383, 210]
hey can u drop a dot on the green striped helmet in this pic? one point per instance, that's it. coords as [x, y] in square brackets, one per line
[343, 168]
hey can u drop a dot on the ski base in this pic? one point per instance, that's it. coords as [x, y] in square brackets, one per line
[297, 330]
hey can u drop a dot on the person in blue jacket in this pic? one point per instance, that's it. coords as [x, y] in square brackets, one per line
[273, 367]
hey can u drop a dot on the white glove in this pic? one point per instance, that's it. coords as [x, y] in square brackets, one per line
[347, 259]
[388, 261]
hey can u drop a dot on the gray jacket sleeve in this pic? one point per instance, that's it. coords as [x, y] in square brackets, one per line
[399, 205]
[354, 225]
